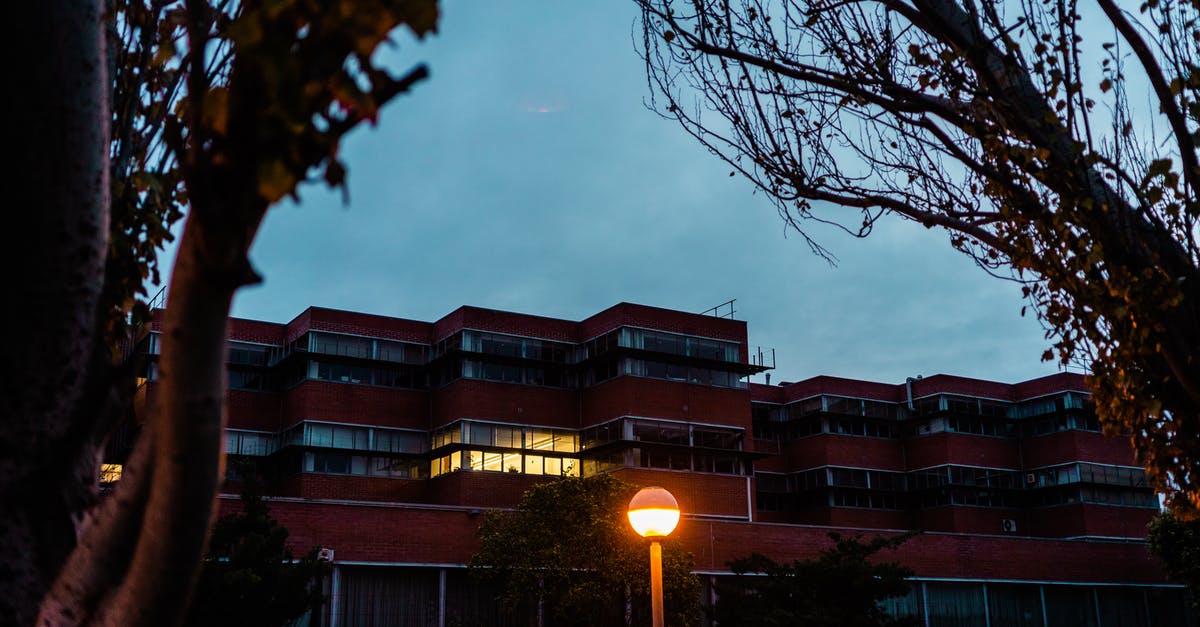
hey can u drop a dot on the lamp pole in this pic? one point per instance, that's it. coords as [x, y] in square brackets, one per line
[656, 585]
[654, 513]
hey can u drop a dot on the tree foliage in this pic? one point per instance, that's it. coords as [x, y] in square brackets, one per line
[569, 550]
[146, 185]
[842, 587]
[218, 108]
[1015, 127]
[250, 578]
[1176, 543]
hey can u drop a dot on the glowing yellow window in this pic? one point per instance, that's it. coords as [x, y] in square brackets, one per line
[110, 473]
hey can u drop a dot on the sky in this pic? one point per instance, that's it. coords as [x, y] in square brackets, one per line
[528, 175]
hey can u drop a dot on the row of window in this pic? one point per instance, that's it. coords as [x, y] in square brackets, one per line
[962, 406]
[511, 373]
[362, 465]
[359, 347]
[264, 380]
[1088, 473]
[504, 461]
[360, 438]
[517, 347]
[971, 497]
[513, 346]
[874, 428]
[949, 475]
[662, 431]
[481, 433]
[682, 373]
[529, 464]
[953, 604]
[323, 435]
[410, 377]
[685, 460]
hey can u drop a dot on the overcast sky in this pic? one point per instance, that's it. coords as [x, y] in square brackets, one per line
[527, 175]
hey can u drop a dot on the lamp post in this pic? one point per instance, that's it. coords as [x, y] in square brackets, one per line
[653, 512]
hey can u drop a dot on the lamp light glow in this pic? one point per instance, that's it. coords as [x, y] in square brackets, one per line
[653, 512]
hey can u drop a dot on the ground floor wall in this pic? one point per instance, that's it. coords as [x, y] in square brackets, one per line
[403, 564]
[368, 595]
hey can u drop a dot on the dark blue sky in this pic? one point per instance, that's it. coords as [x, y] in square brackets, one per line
[527, 175]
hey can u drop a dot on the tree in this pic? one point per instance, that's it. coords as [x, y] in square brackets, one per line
[1176, 543]
[569, 551]
[146, 188]
[300, 75]
[841, 588]
[1009, 125]
[249, 578]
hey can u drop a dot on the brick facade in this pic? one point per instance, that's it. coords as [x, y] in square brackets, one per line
[385, 439]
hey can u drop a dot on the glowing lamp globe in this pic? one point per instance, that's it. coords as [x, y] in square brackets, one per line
[653, 512]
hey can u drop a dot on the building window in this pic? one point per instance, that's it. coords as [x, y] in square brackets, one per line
[253, 443]
[250, 380]
[397, 441]
[505, 461]
[335, 463]
[681, 373]
[110, 474]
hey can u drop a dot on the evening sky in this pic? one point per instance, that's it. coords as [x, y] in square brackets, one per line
[528, 175]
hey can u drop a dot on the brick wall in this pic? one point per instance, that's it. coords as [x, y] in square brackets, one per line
[255, 331]
[1071, 446]
[361, 404]
[481, 489]
[381, 533]
[636, 396]
[961, 449]
[828, 449]
[507, 322]
[701, 494]
[253, 410]
[933, 554]
[629, 314]
[318, 486]
[467, 398]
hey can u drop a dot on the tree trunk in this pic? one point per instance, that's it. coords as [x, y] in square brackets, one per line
[53, 257]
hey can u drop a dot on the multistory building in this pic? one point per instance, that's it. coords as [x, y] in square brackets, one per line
[382, 439]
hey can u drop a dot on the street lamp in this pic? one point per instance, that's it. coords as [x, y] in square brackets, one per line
[653, 512]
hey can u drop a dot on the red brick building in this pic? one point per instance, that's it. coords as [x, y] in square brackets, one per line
[386, 437]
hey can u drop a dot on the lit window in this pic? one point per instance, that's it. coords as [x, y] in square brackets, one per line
[110, 473]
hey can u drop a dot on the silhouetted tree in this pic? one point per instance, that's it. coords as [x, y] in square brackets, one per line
[250, 578]
[291, 79]
[843, 587]
[568, 551]
[1176, 543]
[1010, 125]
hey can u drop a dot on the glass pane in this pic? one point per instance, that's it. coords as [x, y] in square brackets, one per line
[480, 434]
[540, 439]
[1122, 606]
[565, 442]
[1015, 605]
[493, 462]
[955, 605]
[1070, 605]
[508, 437]
[319, 435]
[1167, 606]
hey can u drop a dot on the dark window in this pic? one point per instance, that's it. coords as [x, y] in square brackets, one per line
[254, 380]
[342, 345]
[343, 373]
[245, 354]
